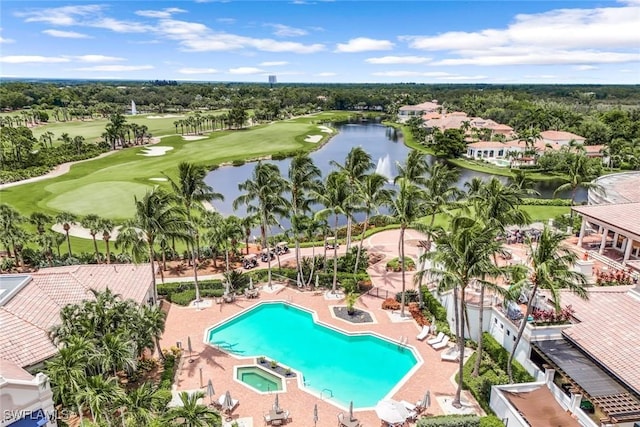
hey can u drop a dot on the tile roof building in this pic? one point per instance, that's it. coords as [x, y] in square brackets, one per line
[30, 304]
[408, 111]
[558, 137]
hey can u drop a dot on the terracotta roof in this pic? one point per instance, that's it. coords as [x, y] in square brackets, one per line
[558, 135]
[530, 403]
[608, 329]
[510, 145]
[425, 106]
[11, 371]
[29, 315]
[625, 216]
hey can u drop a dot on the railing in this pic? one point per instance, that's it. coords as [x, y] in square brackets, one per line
[326, 389]
[378, 293]
[611, 263]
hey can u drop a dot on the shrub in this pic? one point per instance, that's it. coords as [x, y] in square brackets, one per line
[501, 356]
[237, 162]
[450, 421]
[491, 421]
[546, 202]
[410, 295]
[395, 265]
[390, 304]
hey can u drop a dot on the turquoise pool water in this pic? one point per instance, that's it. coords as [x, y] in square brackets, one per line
[362, 368]
[259, 379]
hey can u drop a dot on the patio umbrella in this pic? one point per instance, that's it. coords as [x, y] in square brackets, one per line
[250, 282]
[426, 400]
[391, 411]
[317, 281]
[315, 414]
[276, 404]
[210, 391]
[189, 348]
[351, 410]
[227, 287]
[227, 403]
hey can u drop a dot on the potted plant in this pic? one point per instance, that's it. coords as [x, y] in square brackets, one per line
[351, 300]
[261, 360]
[274, 364]
[287, 372]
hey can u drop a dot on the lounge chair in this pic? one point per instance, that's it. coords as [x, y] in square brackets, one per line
[413, 410]
[452, 354]
[441, 344]
[423, 333]
[437, 339]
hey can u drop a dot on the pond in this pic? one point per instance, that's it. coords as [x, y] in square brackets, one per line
[385, 145]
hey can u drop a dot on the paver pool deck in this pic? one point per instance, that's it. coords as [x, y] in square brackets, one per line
[434, 375]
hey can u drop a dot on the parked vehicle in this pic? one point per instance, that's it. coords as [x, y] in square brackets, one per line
[250, 261]
[331, 243]
[264, 257]
[282, 248]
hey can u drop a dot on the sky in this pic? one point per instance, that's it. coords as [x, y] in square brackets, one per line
[320, 41]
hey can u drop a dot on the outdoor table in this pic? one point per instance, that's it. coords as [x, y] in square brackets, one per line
[275, 415]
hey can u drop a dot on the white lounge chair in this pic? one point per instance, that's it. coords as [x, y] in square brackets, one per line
[437, 339]
[423, 333]
[452, 354]
[441, 344]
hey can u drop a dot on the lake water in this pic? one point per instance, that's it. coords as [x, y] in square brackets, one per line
[378, 140]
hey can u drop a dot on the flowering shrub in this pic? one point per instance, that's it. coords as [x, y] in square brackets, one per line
[390, 304]
[551, 317]
[612, 278]
[417, 314]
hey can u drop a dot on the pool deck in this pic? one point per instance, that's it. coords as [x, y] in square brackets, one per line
[434, 375]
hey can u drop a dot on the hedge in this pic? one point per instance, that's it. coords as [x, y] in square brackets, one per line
[436, 310]
[491, 421]
[450, 421]
[545, 202]
[501, 356]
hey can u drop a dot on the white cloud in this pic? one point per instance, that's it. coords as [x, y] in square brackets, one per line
[3, 40]
[398, 60]
[66, 34]
[64, 16]
[116, 68]
[326, 74]
[406, 73]
[272, 63]
[97, 58]
[363, 44]
[32, 59]
[286, 31]
[197, 71]
[540, 76]
[197, 37]
[119, 26]
[226, 20]
[560, 36]
[585, 67]
[246, 70]
[460, 78]
[164, 13]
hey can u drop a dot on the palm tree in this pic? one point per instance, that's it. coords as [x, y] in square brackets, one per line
[229, 230]
[304, 178]
[415, 167]
[551, 270]
[336, 197]
[66, 371]
[10, 231]
[92, 223]
[406, 208]
[463, 254]
[40, 220]
[99, 394]
[141, 404]
[581, 173]
[264, 196]
[247, 223]
[154, 320]
[117, 353]
[521, 180]
[373, 194]
[106, 226]
[192, 413]
[357, 163]
[66, 219]
[155, 214]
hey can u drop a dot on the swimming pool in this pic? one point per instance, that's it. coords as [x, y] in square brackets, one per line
[258, 379]
[363, 367]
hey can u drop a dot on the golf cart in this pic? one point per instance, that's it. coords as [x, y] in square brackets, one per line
[331, 243]
[282, 248]
[250, 261]
[264, 257]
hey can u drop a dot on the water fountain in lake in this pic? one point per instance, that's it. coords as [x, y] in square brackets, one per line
[384, 167]
[133, 109]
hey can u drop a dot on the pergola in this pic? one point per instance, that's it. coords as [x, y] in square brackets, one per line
[622, 219]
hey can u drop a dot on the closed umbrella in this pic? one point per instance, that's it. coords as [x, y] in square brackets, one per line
[210, 391]
[276, 404]
[317, 282]
[250, 282]
[426, 400]
[351, 411]
[189, 348]
[315, 414]
[391, 411]
[227, 403]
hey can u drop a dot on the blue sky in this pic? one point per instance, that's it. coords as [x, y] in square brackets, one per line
[324, 41]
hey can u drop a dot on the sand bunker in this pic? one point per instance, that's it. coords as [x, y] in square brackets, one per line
[157, 179]
[154, 151]
[313, 138]
[83, 233]
[325, 129]
[193, 137]
[166, 116]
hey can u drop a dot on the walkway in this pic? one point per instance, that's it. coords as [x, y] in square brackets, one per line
[434, 375]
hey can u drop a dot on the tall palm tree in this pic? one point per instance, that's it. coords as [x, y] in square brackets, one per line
[581, 173]
[406, 208]
[156, 213]
[66, 370]
[414, 168]
[463, 254]
[263, 195]
[40, 220]
[304, 178]
[10, 231]
[92, 223]
[551, 270]
[106, 226]
[372, 191]
[229, 230]
[356, 165]
[521, 180]
[141, 404]
[117, 353]
[66, 219]
[192, 413]
[336, 197]
[154, 321]
[248, 222]
[99, 394]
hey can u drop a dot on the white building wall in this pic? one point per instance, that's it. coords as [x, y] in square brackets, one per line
[20, 398]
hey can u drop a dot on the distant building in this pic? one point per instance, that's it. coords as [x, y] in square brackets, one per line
[273, 80]
[408, 111]
[558, 137]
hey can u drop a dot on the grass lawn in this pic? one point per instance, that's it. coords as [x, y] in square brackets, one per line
[107, 186]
